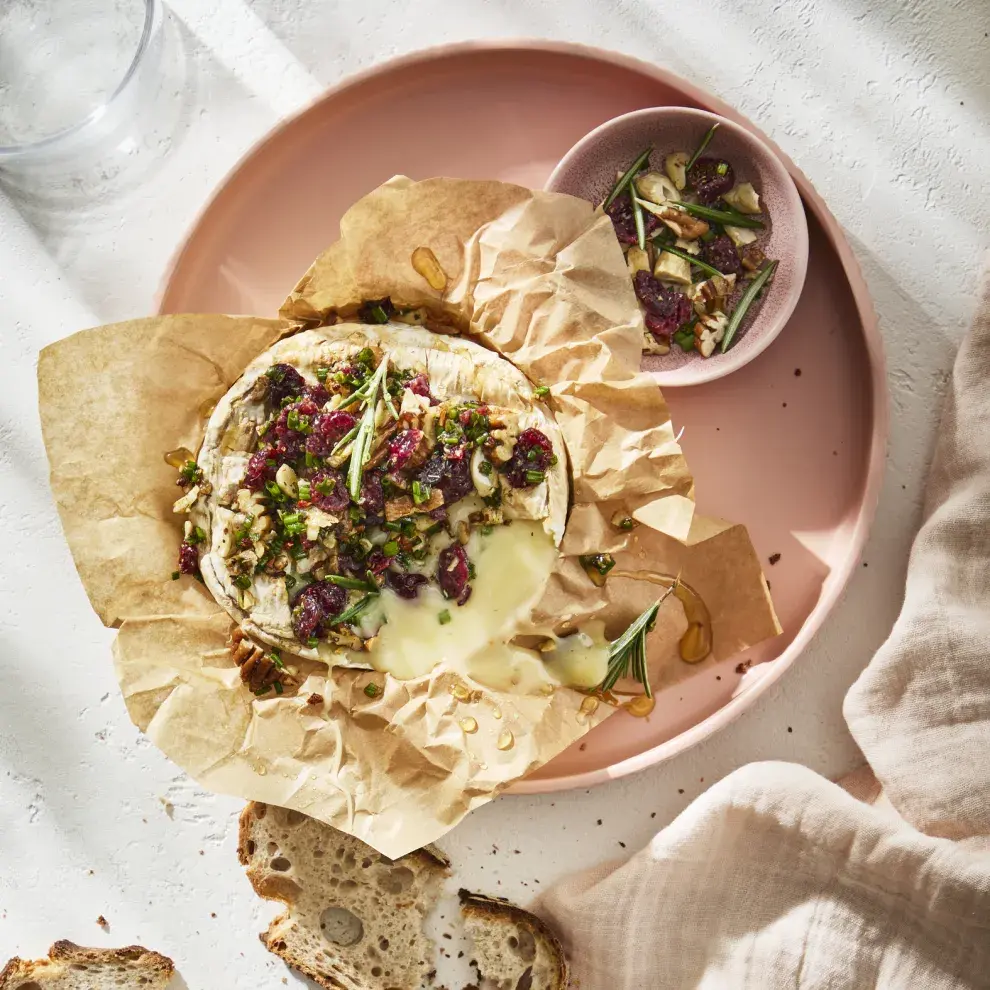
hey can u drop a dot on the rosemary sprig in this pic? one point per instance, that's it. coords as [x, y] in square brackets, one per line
[724, 217]
[638, 219]
[627, 176]
[365, 436]
[678, 253]
[354, 611]
[627, 654]
[742, 307]
[705, 141]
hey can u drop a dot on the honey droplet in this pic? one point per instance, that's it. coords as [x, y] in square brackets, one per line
[640, 706]
[262, 771]
[505, 740]
[206, 408]
[590, 705]
[460, 691]
[426, 264]
[496, 712]
[547, 689]
[176, 458]
[468, 724]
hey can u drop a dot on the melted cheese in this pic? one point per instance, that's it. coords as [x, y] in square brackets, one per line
[580, 660]
[512, 565]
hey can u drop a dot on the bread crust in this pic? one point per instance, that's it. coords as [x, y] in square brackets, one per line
[64, 953]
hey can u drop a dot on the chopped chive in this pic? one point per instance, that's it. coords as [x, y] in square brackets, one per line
[722, 168]
[444, 617]
[243, 581]
[627, 177]
[312, 642]
[176, 575]
[276, 658]
[487, 530]
[485, 467]
[304, 491]
[541, 391]
[535, 477]
[390, 549]
[684, 338]
[322, 373]
[739, 313]
[720, 216]
[375, 314]
[274, 492]
[311, 460]
[261, 691]
[703, 265]
[278, 687]
[699, 151]
[192, 472]
[372, 690]
[420, 492]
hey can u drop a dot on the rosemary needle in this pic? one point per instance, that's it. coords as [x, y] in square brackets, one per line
[705, 141]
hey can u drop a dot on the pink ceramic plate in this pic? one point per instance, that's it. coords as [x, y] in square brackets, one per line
[588, 170]
[805, 483]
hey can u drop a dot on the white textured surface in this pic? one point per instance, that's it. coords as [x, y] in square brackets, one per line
[883, 104]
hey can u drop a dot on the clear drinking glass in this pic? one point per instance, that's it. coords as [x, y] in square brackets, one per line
[75, 77]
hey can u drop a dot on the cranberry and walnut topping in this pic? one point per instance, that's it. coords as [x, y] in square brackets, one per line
[362, 483]
[693, 225]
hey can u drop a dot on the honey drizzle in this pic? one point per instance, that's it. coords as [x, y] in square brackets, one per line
[696, 643]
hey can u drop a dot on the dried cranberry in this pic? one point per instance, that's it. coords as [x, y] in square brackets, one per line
[420, 385]
[666, 308]
[332, 597]
[453, 573]
[259, 470]
[456, 481]
[621, 212]
[318, 395]
[407, 449]
[721, 253]
[405, 585]
[188, 559]
[710, 178]
[314, 606]
[438, 514]
[328, 490]
[283, 381]
[432, 470]
[532, 452]
[372, 496]
[328, 429]
[377, 562]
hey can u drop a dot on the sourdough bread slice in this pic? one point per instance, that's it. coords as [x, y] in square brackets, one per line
[353, 918]
[74, 967]
[514, 949]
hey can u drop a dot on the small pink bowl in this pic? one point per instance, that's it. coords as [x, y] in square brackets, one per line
[588, 170]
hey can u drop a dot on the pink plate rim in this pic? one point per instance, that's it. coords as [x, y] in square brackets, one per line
[864, 305]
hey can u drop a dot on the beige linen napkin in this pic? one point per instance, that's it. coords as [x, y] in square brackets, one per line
[777, 878]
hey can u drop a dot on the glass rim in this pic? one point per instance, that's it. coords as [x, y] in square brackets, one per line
[14, 151]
